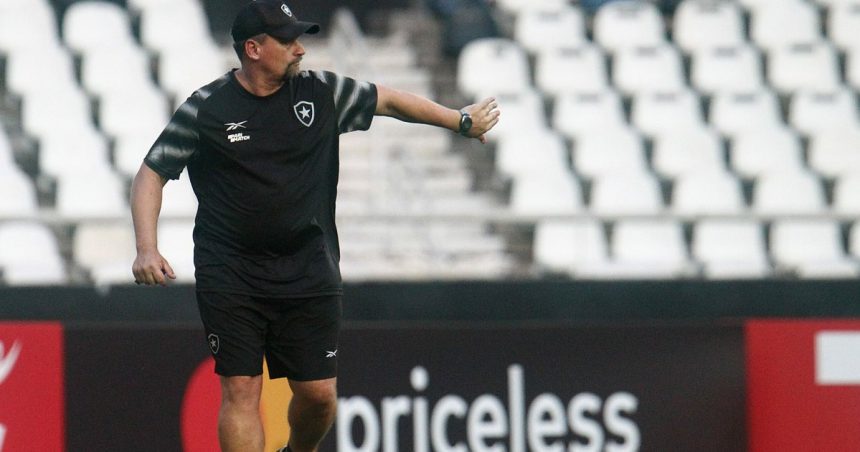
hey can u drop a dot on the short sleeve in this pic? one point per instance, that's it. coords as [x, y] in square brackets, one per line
[354, 101]
[172, 150]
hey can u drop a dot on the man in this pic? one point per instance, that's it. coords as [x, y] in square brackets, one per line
[261, 147]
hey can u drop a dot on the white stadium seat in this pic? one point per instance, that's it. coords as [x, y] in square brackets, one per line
[532, 152]
[539, 30]
[688, 151]
[177, 246]
[756, 152]
[843, 21]
[730, 249]
[708, 193]
[706, 24]
[812, 112]
[623, 193]
[845, 199]
[106, 264]
[17, 192]
[564, 246]
[784, 23]
[546, 194]
[30, 255]
[727, 70]
[492, 66]
[787, 193]
[580, 69]
[660, 113]
[732, 114]
[836, 151]
[89, 24]
[809, 66]
[644, 249]
[625, 24]
[579, 114]
[811, 248]
[602, 153]
[638, 70]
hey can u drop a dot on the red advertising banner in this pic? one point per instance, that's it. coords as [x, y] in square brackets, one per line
[31, 387]
[803, 385]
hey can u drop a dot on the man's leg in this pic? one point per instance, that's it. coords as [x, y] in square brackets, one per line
[239, 426]
[311, 414]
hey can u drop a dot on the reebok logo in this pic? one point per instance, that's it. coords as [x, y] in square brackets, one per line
[235, 125]
[7, 360]
[331, 354]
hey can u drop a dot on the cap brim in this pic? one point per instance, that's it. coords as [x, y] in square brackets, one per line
[294, 30]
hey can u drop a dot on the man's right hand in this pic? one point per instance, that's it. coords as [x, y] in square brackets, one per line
[151, 268]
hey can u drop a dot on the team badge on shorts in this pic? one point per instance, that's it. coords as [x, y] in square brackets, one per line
[304, 112]
[214, 343]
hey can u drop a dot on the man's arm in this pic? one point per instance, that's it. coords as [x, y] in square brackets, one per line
[412, 108]
[149, 266]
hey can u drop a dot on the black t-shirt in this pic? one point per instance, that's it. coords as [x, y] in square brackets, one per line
[265, 173]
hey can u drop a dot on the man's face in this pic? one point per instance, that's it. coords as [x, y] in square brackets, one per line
[281, 57]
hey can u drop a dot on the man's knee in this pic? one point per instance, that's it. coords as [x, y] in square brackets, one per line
[320, 395]
[241, 391]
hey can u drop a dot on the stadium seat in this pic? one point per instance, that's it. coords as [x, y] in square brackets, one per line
[845, 199]
[644, 249]
[732, 114]
[27, 26]
[141, 112]
[102, 76]
[164, 24]
[17, 192]
[72, 153]
[812, 112]
[29, 72]
[707, 193]
[56, 111]
[730, 249]
[98, 193]
[517, 6]
[106, 265]
[843, 21]
[580, 114]
[787, 193]
[688, 151]
[564, 246]
[756, 152]
[601, 153]
[639, 70]
[88, 25]
[492, 66]
[661, 113]
[626, 24]
[836, 151]
[784, 23]
[181, 73]
[811, 248]
[539, 30]
[546, 194]
[532, 152]
[727, 70]
[176, 245]
[563, 70]
[626, 193]
[706, 24]
[809, 66]
[30, 255]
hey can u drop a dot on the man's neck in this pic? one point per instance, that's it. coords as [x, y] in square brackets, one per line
[256, 83]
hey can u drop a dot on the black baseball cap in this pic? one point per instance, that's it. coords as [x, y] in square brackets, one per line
[272, 17]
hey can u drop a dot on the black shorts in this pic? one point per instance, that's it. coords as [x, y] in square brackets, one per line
[297, 335]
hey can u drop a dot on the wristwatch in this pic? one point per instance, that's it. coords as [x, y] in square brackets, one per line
[465, 123]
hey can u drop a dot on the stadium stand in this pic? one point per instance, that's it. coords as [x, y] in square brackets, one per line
[718, 142]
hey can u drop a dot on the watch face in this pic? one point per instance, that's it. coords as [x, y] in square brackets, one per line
[465, 123]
